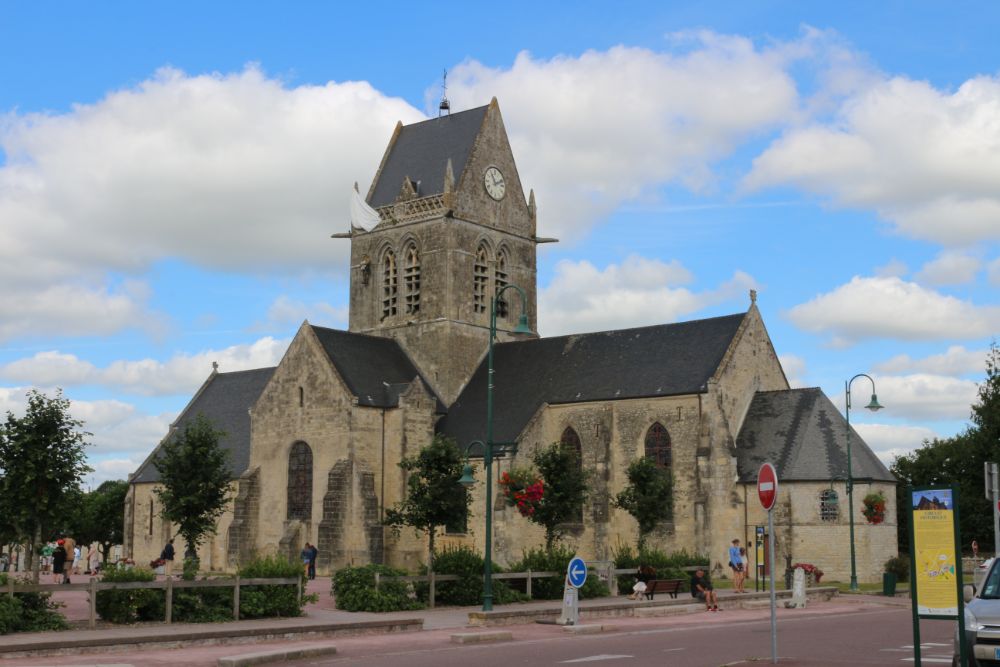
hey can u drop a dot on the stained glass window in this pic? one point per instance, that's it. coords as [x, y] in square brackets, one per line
[658, 445]
[300, 469]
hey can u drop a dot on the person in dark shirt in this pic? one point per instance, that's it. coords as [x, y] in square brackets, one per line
[701, 588]
[167, 556]
[59, 563]
[313, 552]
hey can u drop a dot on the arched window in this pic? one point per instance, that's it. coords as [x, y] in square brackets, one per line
[411, 279]
[300, 482]
[658, 445]
[829, 505]
[500, 280]
[389, 284]
[571, 441]
[480, 278]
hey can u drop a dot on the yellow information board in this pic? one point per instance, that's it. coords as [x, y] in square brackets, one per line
[935, 560]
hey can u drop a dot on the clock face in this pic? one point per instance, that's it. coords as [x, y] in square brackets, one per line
[496, 187]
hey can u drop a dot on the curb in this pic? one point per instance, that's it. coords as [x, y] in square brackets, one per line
[264, 657]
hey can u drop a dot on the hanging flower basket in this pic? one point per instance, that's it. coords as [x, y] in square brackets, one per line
[874, 510]
[522, 488]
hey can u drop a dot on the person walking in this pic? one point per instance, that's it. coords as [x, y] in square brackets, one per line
[59, 563]
[313, 553]
[69, 544]
[735, 564]
[167, 556]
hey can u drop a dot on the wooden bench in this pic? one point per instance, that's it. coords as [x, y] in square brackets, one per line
[669, 586]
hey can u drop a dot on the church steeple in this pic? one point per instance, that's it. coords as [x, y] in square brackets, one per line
[454, 226]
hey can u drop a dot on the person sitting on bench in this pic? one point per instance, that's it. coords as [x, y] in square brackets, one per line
[701, 588]
[645, 574]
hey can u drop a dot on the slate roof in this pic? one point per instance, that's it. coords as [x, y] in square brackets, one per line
[663, 360]
[803, 434]
[225, 399]
[376, 369]
[421, 152]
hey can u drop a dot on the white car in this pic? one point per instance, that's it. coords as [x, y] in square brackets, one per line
[982, 622]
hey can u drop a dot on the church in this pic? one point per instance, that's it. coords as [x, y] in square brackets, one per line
[315, 442]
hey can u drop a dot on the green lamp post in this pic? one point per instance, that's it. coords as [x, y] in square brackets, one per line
[488, 447]
[874, 406]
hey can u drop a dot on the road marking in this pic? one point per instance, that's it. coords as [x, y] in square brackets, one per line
[595, 658]
[931, 659]
[671, 650]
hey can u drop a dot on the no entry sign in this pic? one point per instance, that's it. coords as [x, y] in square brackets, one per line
[767, 486]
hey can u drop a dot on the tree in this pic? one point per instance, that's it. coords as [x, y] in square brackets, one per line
[565, 484]
[101, 516]
[42, 461]
[648, 497]
[434, 496]
[194, 482]
[958, 460]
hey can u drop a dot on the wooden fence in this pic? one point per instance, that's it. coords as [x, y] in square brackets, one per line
[169, 585]
[604, 570]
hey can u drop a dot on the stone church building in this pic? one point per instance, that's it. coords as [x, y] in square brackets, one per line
[315, 442]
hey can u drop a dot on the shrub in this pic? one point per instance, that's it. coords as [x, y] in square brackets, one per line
[354, 590]
[130, 606]
[29, 612]
[468, 564]
[900, 566]
[551, 588]
[667, 566]
[276, 600]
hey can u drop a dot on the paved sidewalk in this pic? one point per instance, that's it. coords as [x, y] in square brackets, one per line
[322, 619]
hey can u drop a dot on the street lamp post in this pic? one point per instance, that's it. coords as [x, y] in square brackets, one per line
[467, 478]
[874, 406]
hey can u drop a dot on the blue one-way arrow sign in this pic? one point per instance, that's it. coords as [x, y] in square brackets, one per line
[576, 573]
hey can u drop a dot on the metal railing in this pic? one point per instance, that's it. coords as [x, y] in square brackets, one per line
[169, 585]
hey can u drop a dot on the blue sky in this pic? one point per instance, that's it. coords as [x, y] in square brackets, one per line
[170, 174]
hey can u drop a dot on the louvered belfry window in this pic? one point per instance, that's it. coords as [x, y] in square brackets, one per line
[411, 280]
[389, 285]
[658, 445]
[300, 469]
[480, 279]
[500, 281]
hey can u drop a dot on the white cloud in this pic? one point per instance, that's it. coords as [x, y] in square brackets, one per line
[285, 311]
[955, 361]
[637, 292]
[795, 368]
[950, 268]
[233, 172]
[892, 308]
[894, 269]
[924, 158]
[889, 441]
[593, 131]
[181, 374]
[921, 397]
[106, 469]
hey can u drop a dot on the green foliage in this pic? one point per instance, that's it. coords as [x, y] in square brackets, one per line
[468, 564]
[565, 490]
[269, 601]
[958, 460]
[194, 475]
[354, 590]
[29, 612]
[190, 569]
[648, 497]
[433, 495]
[900, 566]
[42, 460]
[100, 516]
[130, 606]
[202, 605]
[556, 559]
[667, 566]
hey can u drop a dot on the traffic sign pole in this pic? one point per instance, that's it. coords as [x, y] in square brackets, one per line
[767, 491]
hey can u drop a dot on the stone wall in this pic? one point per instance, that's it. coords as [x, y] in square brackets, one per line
[242, 532]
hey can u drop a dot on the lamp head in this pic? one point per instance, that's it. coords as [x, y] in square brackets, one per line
[467, 479]
[874, 406]
[522, 327]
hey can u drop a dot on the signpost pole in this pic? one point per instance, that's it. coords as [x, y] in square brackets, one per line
[962, 647]
[913, 580]
[774, 618]
[993, 493]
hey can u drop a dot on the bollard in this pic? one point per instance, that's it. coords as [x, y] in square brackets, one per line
[430, 578]
[236, 599]
[528, 587]
[170, 600]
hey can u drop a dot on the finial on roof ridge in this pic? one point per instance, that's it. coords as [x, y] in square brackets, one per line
[753, 297]
[215, 366]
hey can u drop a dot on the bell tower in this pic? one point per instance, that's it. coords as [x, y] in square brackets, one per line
[454, 226]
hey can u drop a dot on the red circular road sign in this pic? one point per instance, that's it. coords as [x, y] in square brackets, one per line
[767, 486]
